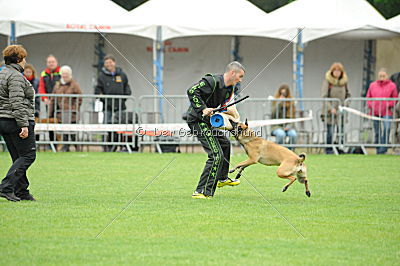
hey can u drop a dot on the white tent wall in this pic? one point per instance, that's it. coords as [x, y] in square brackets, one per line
[135, 50]
[388, 55]
[199, 56]
[73, 49]
[319, 56]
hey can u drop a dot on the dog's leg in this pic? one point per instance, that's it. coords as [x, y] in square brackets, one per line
[239, 174]
[243, 165]
[308, 193]
[292, 179]
[285, 171]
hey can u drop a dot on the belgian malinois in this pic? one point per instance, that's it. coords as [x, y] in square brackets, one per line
[267, 152]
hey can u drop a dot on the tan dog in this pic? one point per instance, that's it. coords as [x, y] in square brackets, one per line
[267, 152]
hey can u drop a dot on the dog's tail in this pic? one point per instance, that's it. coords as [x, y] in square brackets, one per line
[302, 157]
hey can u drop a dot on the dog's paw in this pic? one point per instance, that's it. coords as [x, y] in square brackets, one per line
[308, 193]
[284, 188]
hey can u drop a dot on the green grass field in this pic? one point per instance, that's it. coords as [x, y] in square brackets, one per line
[352, 217]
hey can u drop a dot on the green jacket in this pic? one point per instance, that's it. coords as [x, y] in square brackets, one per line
[16, 96]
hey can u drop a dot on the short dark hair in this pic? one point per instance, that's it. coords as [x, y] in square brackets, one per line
[235, 66]
[14, 54]
[109, 56]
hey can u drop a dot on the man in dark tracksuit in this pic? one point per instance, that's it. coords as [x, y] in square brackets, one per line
[211, 92]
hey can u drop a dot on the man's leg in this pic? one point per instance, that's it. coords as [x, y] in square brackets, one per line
[225, 146]
[215, 156]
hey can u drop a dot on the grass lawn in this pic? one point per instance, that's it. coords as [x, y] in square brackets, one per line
[352, 217]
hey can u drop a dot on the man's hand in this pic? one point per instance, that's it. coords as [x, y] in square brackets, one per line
[207, 111]
[333, 111]
[46, 100]
[24, 133]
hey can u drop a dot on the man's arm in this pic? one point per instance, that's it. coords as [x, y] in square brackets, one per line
[127, 88]
[196, 94]
[99, 89]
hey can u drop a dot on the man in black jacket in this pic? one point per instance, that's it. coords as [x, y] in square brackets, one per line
[112, 81]
[211, 92]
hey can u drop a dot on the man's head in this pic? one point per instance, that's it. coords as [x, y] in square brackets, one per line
[51, 62]
[234, 73]
[109, 63]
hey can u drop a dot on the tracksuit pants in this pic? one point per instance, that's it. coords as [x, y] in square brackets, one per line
[23, 154]
[218, 148]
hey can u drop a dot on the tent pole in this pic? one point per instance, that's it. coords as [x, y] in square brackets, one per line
[12, 39]
[235, 46]
[300, 65]
[158, 66]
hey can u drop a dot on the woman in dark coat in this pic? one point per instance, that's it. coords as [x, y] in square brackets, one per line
[17, 123]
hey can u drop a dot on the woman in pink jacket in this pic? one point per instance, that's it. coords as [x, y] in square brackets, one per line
[382, 88]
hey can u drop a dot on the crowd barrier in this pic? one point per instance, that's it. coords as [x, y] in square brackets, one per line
[120, 123]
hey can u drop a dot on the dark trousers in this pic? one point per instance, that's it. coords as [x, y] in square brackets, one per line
[218, 148]
[329, 135]
[23, 154]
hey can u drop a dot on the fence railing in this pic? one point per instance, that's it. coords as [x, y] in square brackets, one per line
[116, 122]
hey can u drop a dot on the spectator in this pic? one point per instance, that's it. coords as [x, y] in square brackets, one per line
[66, 109]
[17, 123]
[30, 75]
[333, 86]
[2, 65]
[396, 79]
[282, 110]
[112, 81]
[382, 88]
[48, 79]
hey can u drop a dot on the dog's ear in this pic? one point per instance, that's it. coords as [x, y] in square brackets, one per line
[245, 122]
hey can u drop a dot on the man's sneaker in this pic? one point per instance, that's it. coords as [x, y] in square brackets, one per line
[197, 195]
[228, 182]
[27, 197]
[9, 196]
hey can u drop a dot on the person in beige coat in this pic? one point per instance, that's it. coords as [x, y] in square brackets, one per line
[333, 86]
[66, 109]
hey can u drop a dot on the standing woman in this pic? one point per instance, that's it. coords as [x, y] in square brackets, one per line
[17, 123]
[333, 86]
[382, 88]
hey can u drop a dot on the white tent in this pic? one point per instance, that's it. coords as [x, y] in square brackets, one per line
[354, 19]
[394, 23]
[184, 18]
[32, 17]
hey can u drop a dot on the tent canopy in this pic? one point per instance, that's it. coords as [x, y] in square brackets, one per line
[75, 16]
[184, 18]
[394, 23]
[354, 19]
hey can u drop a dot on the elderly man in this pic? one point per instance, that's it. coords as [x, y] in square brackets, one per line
[209, 93]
